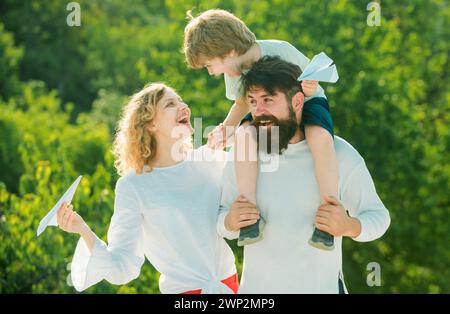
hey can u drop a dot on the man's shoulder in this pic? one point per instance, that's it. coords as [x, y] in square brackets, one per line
[346, 154]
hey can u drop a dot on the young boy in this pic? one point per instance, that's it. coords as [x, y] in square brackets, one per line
[221, 42]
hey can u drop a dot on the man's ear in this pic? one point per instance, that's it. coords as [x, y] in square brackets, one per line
[297, 103]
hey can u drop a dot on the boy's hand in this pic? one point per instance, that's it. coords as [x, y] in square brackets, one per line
[309, 87]
[242, 214]
[68, 220]
[220, 137]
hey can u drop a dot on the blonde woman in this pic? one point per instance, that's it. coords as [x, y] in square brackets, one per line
[166, 205]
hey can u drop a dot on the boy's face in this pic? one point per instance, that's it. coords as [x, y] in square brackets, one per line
[228, 65]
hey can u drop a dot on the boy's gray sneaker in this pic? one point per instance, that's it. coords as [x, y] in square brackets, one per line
[251, 234]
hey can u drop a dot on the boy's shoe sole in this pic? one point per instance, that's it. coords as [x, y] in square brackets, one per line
[251, 234]
[247, 241]
[321, 245]
[322, 240]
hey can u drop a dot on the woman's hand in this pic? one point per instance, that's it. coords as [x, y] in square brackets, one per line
[70, 221]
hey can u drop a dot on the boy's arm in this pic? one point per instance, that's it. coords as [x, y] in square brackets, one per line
[293, 55]
[309, 87]
[221, 136]
[237, 112]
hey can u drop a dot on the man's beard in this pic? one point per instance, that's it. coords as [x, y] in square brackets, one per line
[286, 130]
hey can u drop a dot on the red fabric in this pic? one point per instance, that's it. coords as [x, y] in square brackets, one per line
[232, 282]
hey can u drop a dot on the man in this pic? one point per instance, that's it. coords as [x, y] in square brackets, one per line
[288, 197]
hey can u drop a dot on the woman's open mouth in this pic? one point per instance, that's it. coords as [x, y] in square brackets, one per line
[184, 120]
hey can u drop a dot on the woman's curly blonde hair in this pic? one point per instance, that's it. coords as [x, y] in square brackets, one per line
[134, 147]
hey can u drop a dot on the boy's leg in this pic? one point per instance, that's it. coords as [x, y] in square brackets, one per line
[246, 167]
[321, 144]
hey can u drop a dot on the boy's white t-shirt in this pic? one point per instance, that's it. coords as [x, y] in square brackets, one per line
[280, 48]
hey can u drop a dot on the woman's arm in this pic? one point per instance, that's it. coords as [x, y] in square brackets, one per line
[120, 260]
[70, 221]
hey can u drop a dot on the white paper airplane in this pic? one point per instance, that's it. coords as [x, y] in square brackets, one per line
[321, 68]
[50, 219]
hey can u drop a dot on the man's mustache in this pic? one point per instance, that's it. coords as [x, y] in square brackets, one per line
[257, 121]
[286, 130]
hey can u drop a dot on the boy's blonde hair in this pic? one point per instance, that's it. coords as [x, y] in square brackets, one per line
[134, 147]
[214, 34]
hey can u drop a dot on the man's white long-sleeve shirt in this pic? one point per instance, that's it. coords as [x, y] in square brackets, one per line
[288, 198]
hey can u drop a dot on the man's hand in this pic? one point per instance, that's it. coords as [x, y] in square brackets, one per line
[332, 218]
[242, 214]
[309, 87]
[220, 137]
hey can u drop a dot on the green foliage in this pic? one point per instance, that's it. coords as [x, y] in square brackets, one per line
[62, 88]
[106, 110]
[10, 56]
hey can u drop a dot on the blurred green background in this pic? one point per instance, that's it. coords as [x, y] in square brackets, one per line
[61, 90]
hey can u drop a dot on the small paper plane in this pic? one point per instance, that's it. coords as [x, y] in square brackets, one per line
[50, 219]
[321, 68]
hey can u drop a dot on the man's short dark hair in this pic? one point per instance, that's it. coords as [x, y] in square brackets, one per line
[273, 74]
